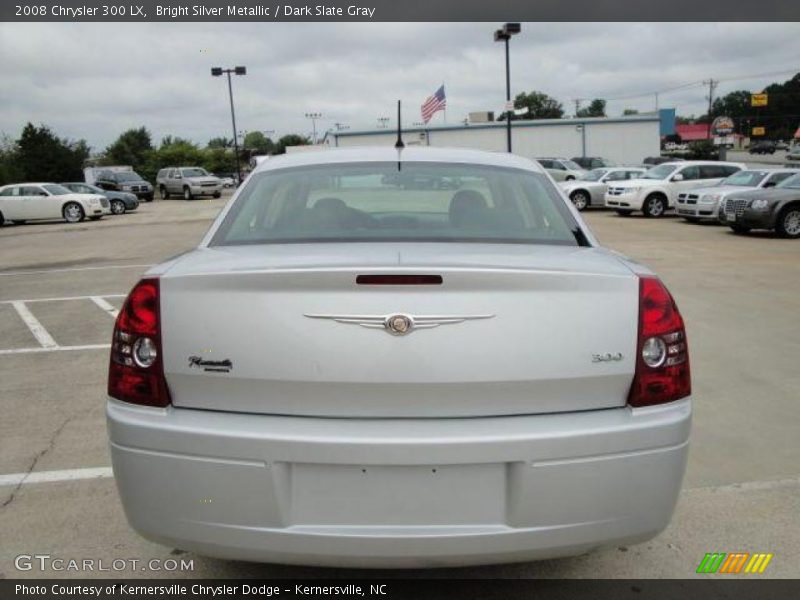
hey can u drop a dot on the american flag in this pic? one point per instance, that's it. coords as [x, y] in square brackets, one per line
[434, 104]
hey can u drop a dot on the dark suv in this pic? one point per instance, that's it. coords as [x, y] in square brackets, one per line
[765, 147]
[593, 162]
[125, 181]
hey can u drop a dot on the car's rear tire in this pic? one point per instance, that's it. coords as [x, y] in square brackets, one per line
[740, 229]
[580, 199]
[163, 193]
[788, 222]
[117, 207]
[624, 213]
[187, 193]
[73, 212]
[654, 206]
[217, 194]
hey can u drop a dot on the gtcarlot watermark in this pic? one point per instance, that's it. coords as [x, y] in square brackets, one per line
[47, 562]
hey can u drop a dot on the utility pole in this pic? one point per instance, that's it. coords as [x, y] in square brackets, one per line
[577, 102]
[712, 85]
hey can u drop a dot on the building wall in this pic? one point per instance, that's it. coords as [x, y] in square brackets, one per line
[621, 140]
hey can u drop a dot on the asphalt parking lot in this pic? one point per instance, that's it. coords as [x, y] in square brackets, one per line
[60, 286]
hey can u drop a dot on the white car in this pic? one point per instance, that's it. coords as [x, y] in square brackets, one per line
[562, 169]
[590, 190]
[355, 370]
[703, 203]
[22, 202]
[658, 189]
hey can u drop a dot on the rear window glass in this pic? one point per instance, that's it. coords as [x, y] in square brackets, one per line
[408, 201]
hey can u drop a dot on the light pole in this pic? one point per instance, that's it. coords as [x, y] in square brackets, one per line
[314, 116]
[217, 72]
[383, 122]
[504, 35]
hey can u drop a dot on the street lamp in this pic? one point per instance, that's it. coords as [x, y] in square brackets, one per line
[504, 35]
[217, 72]
[314, 116]
[383, 122]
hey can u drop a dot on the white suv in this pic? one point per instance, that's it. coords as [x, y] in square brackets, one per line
[658, 188]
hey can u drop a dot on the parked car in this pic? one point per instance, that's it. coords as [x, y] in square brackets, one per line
[592, 162]
[781, 145]
[121, 202]
[776, 209]
[21, 202]
[124, 181]
[658, 189]
[660, 160]
[590, 190]
[765, 147]
[188, 182]
[703, 203]
[398, 377]
[794, 153]
[229, 180]
[568, 168]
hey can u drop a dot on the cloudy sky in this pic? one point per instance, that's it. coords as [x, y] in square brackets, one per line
[92, 81]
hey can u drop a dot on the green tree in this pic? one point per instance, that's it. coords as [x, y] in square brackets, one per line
[10, 170]
[596, 108]
[257, 143]
[291, 139]
[40, 155]
[219, 160]
[220, 142]
[132, 148]
[539, 105]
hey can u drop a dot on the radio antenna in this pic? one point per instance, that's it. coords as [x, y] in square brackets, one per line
[399, 144]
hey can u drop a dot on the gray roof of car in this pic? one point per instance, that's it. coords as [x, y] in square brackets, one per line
[390, 154]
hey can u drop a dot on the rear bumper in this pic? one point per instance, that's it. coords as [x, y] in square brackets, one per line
[398, 493]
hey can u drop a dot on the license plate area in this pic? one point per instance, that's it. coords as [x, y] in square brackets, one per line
[400, 495]
[730, 216]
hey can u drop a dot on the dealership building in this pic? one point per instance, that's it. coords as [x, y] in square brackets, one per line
[625, 140]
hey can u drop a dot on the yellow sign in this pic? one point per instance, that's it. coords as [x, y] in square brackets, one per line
[758, 131]
[758, 99]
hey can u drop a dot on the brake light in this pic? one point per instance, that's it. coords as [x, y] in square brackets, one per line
[136, 371]
[662, 359]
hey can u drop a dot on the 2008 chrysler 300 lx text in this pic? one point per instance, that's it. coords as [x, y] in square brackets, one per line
[382, 357]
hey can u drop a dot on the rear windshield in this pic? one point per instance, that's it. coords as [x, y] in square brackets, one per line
[390, 201]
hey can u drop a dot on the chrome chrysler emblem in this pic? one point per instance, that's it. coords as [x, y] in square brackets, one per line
[398, 323]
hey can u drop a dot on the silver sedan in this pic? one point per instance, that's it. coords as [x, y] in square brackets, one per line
[383, 358]
[590, 190]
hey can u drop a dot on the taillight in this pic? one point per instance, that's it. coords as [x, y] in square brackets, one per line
[662, 356]
[136, 371]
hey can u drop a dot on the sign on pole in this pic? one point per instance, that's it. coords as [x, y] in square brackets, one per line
[758, 131]
[722, 127]
[758, 99]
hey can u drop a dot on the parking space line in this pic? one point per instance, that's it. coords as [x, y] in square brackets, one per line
[37, 329]
[63, 298]
[54, 476]
[54, 349]
[44, 271]
[105, 306]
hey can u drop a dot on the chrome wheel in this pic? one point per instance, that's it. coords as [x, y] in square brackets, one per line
[580, 200]
[73, 213]
[791, 223]
[117, 207]
[654, 207]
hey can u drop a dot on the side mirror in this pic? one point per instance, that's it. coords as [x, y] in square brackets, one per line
[677, 177]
